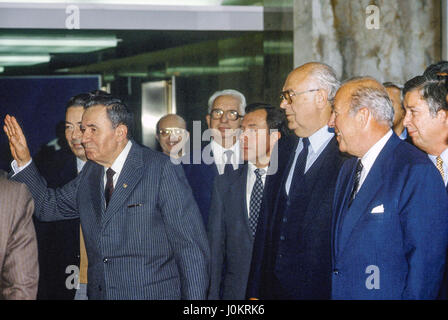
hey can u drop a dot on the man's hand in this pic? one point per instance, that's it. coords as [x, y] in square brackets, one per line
[17, 141]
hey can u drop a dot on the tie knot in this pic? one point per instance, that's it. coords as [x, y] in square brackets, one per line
[359, 166]
[110, 173]
[439, 161]
[228, 156]
[306, 143]
[259, 172]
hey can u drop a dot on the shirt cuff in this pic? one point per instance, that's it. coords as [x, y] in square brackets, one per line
[15, 167]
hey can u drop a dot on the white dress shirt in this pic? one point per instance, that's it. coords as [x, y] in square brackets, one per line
[318, 141]
[369, 158]
[444, 156]
[118, 164]
[220, 157]
[79, 164]
[250, 182]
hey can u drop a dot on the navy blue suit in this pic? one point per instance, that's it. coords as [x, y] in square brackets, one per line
[200, 177]
[396, 225]
[292, 251]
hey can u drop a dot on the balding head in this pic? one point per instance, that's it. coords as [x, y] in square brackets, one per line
[363, 114]
[172, 134]
[307, 92]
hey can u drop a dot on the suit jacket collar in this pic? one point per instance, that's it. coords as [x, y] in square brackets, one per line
[238, 185]
[130, 176]
[366, 194]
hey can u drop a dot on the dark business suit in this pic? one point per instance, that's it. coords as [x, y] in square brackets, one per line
[200, 176]
[58, 241]
[230, 236]
[397, 223]
[149, 243]
[292, 250]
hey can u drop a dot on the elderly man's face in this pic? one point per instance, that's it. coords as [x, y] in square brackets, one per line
[423, 127]
[226, 127]
[73, 134]
[301, 111]
[172, 136]
[345, 125]
[100, 140]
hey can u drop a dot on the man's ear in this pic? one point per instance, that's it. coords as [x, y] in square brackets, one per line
[442, 116]
[320, 99]
[207, 118]
[363, 116]
[122, 131]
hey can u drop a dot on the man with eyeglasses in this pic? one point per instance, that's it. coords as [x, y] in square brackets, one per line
[292, 251]
[172, 134]
[225, 110]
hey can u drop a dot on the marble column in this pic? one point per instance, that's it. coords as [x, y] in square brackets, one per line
[392, 41]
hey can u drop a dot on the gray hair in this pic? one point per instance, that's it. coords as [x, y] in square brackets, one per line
[376, 100]
[228, 92]
[326, 79]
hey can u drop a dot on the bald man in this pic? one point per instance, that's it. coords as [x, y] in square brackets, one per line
[292, 250]
[172, 135]
[390, 225]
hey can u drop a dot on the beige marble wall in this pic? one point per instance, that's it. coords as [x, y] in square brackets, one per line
[335, 32]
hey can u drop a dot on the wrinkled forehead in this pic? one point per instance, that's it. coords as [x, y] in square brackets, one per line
[226, 102]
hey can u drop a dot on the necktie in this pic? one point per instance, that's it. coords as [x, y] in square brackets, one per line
[439, 165]
[255, 200]
[109, 185]
[228, 161]
[299, 169]
[357, 177]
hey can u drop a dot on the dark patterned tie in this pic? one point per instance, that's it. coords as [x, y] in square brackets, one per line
[255, 200]
[228, 161]
[357, 177]
[299, 169]
[109, 185]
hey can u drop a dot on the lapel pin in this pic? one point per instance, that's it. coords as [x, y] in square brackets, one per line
[125, 185]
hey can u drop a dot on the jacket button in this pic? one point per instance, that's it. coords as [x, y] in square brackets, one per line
[282, 238]
[285, 219]
[105, 260]
[335, 272]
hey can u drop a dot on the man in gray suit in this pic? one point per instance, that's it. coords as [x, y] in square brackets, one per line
[143, 232]
[236, 202]
[19, 270]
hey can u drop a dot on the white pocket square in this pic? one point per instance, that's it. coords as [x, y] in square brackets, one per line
[378, 209]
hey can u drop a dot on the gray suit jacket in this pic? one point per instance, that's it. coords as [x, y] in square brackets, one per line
[19, 269]
[149, 243]
[230, 237]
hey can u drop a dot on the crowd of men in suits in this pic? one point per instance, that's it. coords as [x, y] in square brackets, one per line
[338, 194]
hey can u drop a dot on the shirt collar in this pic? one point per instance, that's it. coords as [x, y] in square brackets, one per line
[218, 150]
[79, 164]
[369, 158]
[253, 167]
[443, 155]
[318, 138]
[118, 164]
[404, 134]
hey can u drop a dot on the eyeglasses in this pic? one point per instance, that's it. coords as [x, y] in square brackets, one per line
[217, 114]
[286, 95]
[165, 132]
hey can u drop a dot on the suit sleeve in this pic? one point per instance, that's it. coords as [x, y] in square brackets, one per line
[186, 232]
[51, 204]
[20, 270]
[216, 239]
[424, 221]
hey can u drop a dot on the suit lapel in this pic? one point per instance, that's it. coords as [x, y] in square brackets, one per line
[238, 187]
[367, 193]
[96, 186]
[129, 177]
